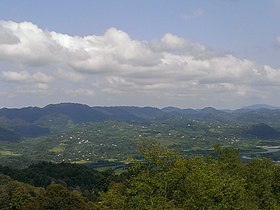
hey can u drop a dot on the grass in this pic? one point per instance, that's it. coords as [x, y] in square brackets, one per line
[81, 161]
[57, 149]
[8, 153]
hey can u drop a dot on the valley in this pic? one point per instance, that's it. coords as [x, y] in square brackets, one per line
[109, 136]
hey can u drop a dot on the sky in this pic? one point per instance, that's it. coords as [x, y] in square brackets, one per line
[188, 54]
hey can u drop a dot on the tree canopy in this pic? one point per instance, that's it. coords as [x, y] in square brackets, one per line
[163, 179]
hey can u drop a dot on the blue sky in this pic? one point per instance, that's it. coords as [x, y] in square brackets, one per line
[221, 53]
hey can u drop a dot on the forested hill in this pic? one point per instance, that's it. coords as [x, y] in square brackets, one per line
[164, 180]
[35, 122]
[80, 113]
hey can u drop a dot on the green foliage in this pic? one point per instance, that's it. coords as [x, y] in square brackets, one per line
[89, 181]
[15, 195]
[261, 131]
[114, 198]
[166, 180]
[163, 179]
[260, 176]
[59, 197]
[8, 135]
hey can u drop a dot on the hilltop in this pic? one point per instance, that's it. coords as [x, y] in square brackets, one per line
[107, 136]
[19, 123]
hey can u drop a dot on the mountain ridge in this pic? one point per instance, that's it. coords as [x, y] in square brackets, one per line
[53, 118]
[260, 106]
[167, 108]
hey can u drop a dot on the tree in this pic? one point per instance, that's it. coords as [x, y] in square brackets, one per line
[60, 198]
[260, 180]
[166, 180]
[17, 195]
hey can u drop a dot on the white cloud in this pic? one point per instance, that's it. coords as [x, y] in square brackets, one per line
[31, 45]
[25, 76]
[115, 63]
[42, 78]
[25, 82]
[16, 76]
[7, 36]
[177, 45]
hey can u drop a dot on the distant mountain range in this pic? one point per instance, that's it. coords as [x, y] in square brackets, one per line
[260, 106]
[35, 122]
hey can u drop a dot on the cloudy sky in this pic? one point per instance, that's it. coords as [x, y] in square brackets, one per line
[189, 54]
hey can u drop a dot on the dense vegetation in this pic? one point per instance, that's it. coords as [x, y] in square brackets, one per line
[87, 180]
[49, 158]
[162, 180]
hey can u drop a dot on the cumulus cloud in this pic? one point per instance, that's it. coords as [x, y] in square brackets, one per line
[15, 76]
[114, 63]
[28, 83]
[7, 36]
[177, 45]
[26, 43]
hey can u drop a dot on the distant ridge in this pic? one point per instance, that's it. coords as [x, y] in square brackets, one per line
[35, 122]
[260, 106]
